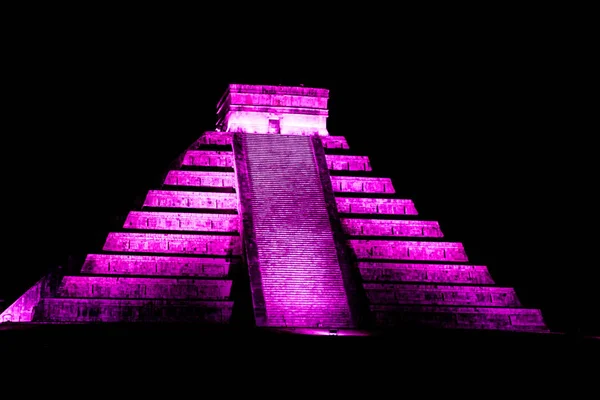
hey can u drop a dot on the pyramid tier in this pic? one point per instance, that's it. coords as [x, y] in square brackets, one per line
[143, 288]
[125, 264]
[356, 184]
[353, 205]
[395, 272]
[182, 221]
[199, 200]
[408, 250]
[208, 158]
[225, 138]
[201, 179]
[383, 227]
[348, 184]
[173, 243]
[214, 158]
[71, 310]
[397, 293]
[500, 318]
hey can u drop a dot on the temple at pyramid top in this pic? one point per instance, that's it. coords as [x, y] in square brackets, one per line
[287, 110]
[271, 222]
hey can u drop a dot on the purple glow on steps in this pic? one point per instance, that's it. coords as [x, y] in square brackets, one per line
[382, 227]
[22, 309]
[382, 293]
[294, 268]
[225, 138]
[133, 310]
[404, 250]
[213, 138]
[334, 142]
[200, 178]
[348, 163]
[144, 288]
[179, 199]
[209, 158]
[513, 319]
[394, 272]
[182, 221]
[351, 184]
[173, 243]
[355, 184]
[125, 264]
[375, 206]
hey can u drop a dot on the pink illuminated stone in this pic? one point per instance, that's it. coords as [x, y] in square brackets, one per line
[214, 138]
[133, 310]
[182, 199]
[285, 110]
[496, 318]
[355, 184]
[207, 158]
[141, 288]
[200, 178]
[348, 163]
[210, 158]
[173, 243]
[295, 271]
[382, 227]
[334, 142]
[375, 206]
[126, 264]
[382, 293]
[22, 309]
[182, 221]
[394, 272]
[403, 250]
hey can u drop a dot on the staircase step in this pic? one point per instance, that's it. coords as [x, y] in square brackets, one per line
[381, 271]
[383, 227]
[182, 221]
[201, 179]
[408, 250]
[513, 319]
[125, 264]
[144, 288]
[354, 205]
[173, 243]
[182, 199]
[382, 293]
[354, 184]
[128, 310]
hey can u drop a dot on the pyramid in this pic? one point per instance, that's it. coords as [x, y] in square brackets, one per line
[270, 221]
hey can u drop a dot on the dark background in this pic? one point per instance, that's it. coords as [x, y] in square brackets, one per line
[474, 123]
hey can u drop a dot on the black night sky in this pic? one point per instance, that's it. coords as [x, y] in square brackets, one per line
[464, 124]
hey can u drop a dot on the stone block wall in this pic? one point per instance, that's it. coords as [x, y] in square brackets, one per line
[183, 199]
[182, 221]
[353, 205]
[126, 264]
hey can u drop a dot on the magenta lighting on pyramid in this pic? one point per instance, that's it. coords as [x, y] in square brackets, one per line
[270, 221]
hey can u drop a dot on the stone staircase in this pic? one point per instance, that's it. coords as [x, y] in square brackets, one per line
[294, 267]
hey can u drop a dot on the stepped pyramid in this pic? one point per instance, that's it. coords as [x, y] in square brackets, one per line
[269, 221]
